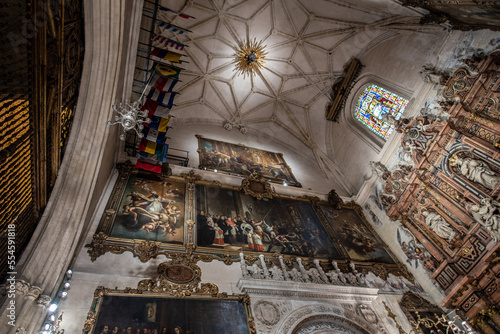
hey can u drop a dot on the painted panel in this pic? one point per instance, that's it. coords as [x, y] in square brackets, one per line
[242, 160]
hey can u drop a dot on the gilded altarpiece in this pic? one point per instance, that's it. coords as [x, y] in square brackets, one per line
[449, 196]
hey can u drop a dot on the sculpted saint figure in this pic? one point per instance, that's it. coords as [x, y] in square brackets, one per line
[477, 171]
[439, 225]
[488, 216]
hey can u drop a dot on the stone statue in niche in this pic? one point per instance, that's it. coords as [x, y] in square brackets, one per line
[476, 171]
[488, 216]
[431, 75]
[439, 225]
[434, 111]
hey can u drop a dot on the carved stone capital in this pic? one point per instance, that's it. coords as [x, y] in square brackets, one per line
[22, 287]
[43, 300]
[33, 292]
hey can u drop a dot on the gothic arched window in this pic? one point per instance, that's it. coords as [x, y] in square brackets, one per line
[377, 108]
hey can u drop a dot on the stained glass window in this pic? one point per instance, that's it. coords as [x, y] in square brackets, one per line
[377, 108]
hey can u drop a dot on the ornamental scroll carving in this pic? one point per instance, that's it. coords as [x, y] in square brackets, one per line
[257, 186]
[179, 278]
[449, 185]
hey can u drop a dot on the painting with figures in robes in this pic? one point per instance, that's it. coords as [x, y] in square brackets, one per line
[164, 315]
[356, 238]
[230, 220]
[151, 210]
[242, 160]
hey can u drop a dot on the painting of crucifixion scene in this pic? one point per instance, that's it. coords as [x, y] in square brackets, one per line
[358, 240]
[232, 221]
[241, 160]
[151, 209]
[121, 314]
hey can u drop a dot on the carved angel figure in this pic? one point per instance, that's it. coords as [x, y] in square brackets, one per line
[439, 225]
[296, 275]
[488, 216]
[244, 270]
[315, 276]
[378, 168]
[276, 273]
[351, 279]
[333, 276]
[256, 271]
[476, 171]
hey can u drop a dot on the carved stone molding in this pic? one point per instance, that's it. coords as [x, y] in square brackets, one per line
[268, 313]
[306, 290]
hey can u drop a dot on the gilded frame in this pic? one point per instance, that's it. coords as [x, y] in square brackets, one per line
[203, 164]
[380, 269]
[146, 250]
[418, 309]
[165, 290]
[102, 241]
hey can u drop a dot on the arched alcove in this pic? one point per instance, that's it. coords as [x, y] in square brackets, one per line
[323, 318]
[328, 324]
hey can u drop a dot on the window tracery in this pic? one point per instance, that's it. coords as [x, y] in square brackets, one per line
[378, 109]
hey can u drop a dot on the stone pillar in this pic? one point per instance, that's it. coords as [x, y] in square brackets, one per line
[111, 35]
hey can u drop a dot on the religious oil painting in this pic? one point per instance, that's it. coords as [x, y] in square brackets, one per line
[358, 240]
[232, 221]
[146, 314]
[151, 209]
[242, 160]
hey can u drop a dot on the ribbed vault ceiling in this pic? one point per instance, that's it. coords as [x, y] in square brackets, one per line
[308, 44]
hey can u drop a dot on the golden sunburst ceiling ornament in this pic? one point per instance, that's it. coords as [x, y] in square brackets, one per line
[249, 57]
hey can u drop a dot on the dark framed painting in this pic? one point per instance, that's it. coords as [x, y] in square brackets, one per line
[355, 236]
[148, 313]
[145, 214]
[151, 209]
[241, 160]
[229, 220]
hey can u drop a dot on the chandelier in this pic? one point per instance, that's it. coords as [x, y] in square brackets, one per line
[131, 117]
[249, 57]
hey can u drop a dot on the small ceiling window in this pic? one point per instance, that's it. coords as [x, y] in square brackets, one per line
[378, 109]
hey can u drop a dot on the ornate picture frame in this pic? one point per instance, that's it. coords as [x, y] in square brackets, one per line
[263, 195]
[163, 304]
[421, 313]
[241, 160]
[146, 214]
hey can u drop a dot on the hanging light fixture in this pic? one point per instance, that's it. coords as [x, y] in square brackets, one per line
[249, 57]
[131, 117]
